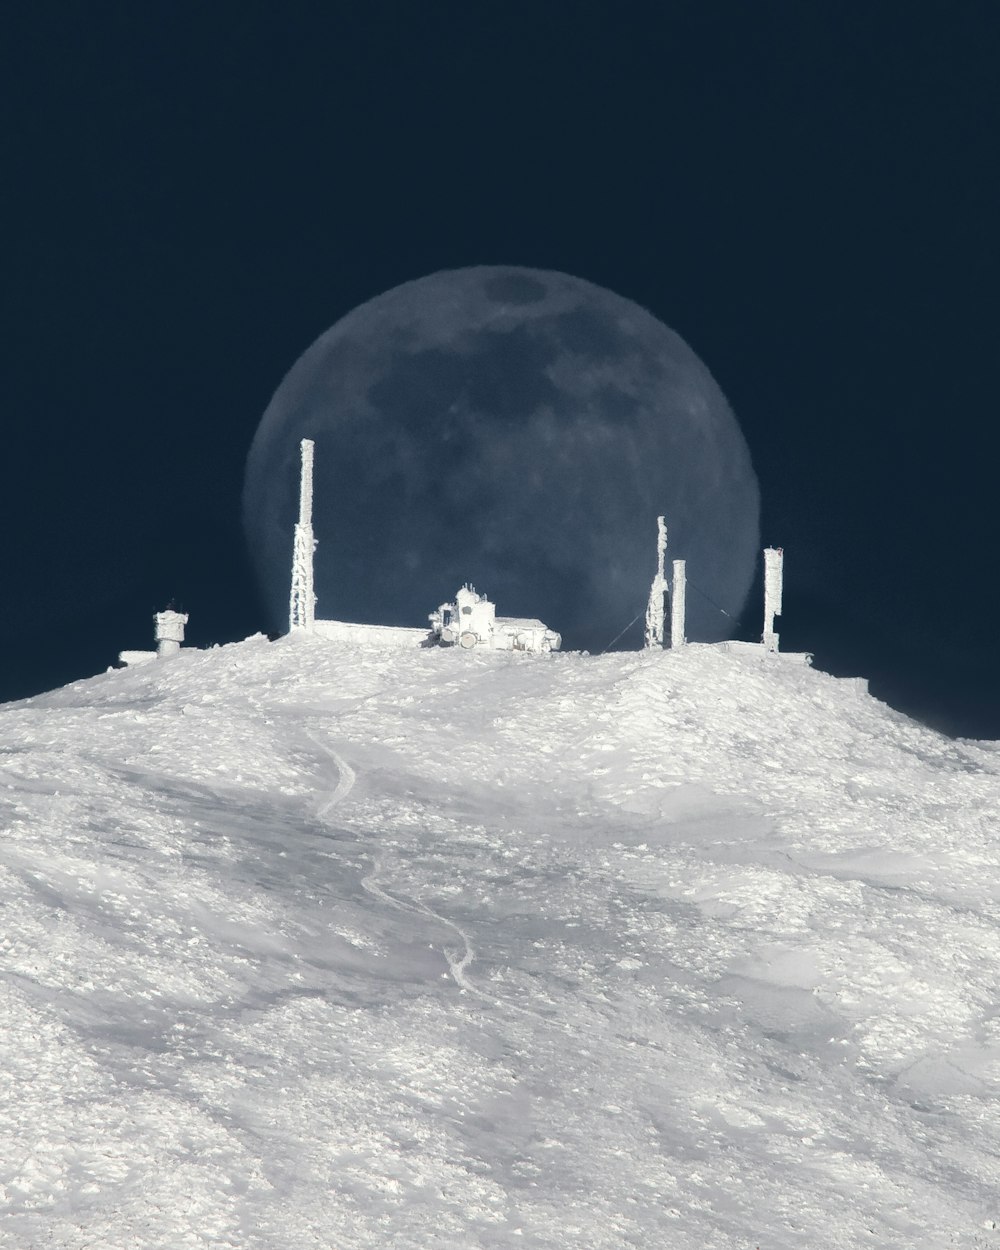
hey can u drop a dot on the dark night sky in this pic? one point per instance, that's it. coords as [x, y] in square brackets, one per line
[808, 193]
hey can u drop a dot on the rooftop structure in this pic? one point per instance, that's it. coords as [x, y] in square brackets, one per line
[169, 634]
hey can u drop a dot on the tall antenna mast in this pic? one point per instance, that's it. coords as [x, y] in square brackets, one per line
[302, 605]
[774, 559]
[654, 610]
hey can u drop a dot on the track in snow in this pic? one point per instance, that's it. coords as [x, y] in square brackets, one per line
[346, 777]
[457, 965]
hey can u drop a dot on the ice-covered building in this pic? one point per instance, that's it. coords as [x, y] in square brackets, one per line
[169, 635]
[471, 621]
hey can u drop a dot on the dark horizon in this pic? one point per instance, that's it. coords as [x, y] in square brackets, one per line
[808, 198]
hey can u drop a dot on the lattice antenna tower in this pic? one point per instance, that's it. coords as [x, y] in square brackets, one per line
[302, 605]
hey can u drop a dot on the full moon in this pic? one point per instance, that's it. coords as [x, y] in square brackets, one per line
[517, 429]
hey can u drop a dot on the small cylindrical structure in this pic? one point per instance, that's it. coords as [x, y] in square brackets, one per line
[774, 560]
[169, 632]
[677, 606]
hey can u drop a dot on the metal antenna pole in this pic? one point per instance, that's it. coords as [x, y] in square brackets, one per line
[677, 605]
[302, 604]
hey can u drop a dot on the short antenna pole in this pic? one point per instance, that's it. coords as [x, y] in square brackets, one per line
[654, 609]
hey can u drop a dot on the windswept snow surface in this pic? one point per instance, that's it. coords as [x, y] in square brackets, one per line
[307, 945]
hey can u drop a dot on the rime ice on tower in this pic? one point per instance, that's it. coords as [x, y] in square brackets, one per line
[774, 558]
[767, 648]
[302, 604]
[654, 609]
[302, 599]
[677, 605]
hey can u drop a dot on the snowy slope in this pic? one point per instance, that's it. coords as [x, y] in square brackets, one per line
[307, 945]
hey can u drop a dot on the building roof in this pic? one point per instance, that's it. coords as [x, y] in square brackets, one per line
[521, 622]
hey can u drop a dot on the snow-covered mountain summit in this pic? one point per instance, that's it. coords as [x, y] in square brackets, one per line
[308, 945]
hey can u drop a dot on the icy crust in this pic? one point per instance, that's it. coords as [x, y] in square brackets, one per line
[312, 945]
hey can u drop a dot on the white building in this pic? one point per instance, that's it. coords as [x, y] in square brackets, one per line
[169, 639]
[471, 621]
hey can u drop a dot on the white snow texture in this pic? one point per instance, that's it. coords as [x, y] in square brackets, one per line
[309, 944]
